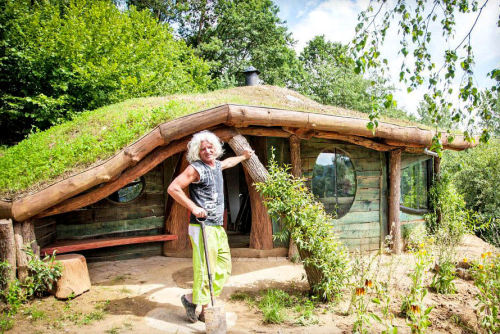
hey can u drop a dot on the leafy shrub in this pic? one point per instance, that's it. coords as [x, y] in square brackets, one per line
[273, 304]
[42, 274]
[62, 57]
[442, 282]
[414, 236]
[305, 221]
[486, 276]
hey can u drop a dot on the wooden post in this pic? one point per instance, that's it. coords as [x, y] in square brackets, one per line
[29, 237]
[261, 233]
[394, 197]
[436, 177]
[177, 221]
[296, 162]
[7, 247]
[21, 257]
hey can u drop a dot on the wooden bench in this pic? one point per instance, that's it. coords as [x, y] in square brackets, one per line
[68, 246]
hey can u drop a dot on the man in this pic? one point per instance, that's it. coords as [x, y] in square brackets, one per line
[206, 189]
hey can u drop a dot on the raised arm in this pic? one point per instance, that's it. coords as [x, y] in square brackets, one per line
[233, 161]
[183, 180]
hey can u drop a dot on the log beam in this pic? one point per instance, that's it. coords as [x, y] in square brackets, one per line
[8, 248]
[261, 233]
[296, 172]
[394, 197]
[357, 140]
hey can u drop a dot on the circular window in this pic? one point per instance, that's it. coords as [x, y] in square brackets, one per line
[130, 192]
[334, 181]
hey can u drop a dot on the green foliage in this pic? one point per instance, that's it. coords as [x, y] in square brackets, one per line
[414, 235]
[415, 21]
[232, 35]
[273, 304]
[486, 276]
[62, 57]
[329, 78]
[442, 282]
[42, 274]
[304, 219]
[476, 174]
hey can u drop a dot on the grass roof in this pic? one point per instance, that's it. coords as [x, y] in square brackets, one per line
[93, 136]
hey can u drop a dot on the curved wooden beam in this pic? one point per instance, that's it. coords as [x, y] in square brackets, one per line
[5, 210]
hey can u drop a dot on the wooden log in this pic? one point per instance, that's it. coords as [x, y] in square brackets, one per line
[21, 257]
[255, 168]
[361, 141]
[394, 197]
[8, 248]
[29, 237]
[261, 232]
[264, 132]
[296, 163]
[75, 278]
[5, 210]
[436, 171]
[177, 220]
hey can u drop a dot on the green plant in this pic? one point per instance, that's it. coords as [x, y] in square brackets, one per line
[486, 276]
[414, 236]
[273, 305]
[4, 274]
[13, 297]
[442, 282]
[413, 303]
[42, 274]
[305, 221]
[33, 313]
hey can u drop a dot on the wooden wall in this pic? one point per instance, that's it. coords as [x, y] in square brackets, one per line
[365, 225]
[105, 219]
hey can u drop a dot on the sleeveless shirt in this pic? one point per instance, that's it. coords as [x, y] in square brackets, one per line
[208, 192]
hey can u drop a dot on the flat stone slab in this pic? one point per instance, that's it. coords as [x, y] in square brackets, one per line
[75, 278]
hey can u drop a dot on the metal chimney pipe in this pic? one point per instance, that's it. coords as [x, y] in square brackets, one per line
[251, 76]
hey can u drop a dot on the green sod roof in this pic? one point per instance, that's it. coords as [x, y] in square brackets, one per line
[63, 150]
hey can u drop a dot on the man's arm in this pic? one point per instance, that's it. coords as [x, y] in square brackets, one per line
[183, 180]
[233, 161]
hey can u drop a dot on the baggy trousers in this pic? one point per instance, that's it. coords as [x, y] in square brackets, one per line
[220, 261]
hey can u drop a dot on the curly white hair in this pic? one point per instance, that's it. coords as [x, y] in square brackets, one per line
[193, 152]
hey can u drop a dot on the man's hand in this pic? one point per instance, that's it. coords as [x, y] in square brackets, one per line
[247, 154]
[199, 212]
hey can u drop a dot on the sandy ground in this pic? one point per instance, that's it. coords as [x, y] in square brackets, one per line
[143, 296]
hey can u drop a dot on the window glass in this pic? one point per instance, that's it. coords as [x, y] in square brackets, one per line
[333, 181]
[128, 193]
[414, 186]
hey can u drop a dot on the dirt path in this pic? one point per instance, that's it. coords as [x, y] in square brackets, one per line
[143, 296]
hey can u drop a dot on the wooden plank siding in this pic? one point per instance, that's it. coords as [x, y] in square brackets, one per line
[363, 226]
[144, 216]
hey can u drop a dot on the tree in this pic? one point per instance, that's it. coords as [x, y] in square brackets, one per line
[329, 77]
[232, 35]
[62, 57]
[415, 22]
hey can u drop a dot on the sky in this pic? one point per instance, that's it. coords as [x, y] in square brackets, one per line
[336, 19]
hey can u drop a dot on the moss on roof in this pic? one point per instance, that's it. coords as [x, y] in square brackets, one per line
[48, 156]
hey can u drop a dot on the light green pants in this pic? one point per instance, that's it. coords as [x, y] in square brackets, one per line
[219, 257]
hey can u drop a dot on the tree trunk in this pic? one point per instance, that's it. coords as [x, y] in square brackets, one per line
[394, 198]
[29, 237]
[255, 168]
[21, 257]
[296, 172]
[178, 220]
[7, 247]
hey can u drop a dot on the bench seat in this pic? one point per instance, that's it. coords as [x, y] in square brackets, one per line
[68, 246]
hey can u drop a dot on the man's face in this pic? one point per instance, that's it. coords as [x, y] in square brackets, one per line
[207, 152]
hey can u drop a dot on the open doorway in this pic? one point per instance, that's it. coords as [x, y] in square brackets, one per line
[238, 218]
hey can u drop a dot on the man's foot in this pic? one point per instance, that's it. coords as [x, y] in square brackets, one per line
[190, 309]
[201, 317]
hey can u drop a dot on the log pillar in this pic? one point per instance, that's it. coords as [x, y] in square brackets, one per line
[436, 177]
[261, 233]
[29, 237]
[394, 198]
[7, 247]
[21, 257]
[177, 221]
[296, 172]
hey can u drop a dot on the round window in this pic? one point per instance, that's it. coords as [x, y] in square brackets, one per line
[130, 192]
[334, 181]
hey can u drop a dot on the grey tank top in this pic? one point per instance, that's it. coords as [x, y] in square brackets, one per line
[208, 192]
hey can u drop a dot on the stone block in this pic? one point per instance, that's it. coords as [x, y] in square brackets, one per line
[75, 278]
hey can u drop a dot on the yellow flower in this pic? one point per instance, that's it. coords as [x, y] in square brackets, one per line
[415, 309]
[480, 267]
[465, 260]
[421, 245]
[489, 253]
[360, 291]
[483, 255]
[368, 283]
